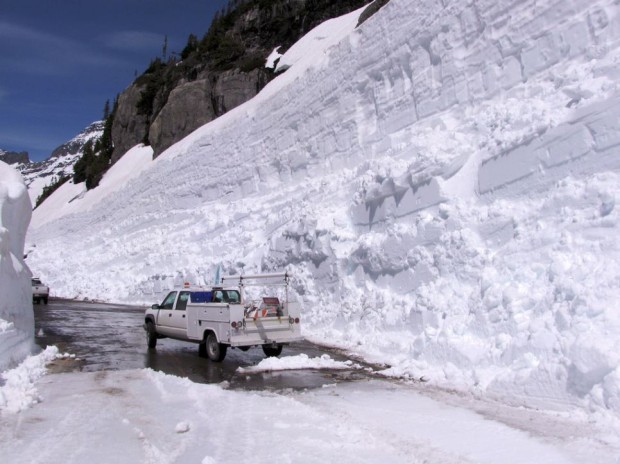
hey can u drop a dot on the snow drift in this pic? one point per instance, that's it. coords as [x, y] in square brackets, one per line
[441, 182]
[16, 316]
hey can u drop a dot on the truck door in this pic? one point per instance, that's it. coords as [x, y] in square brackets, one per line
[178, 320]
[164, 317]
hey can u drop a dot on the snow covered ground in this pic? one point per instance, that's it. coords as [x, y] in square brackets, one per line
[145, 416]
[442, 185]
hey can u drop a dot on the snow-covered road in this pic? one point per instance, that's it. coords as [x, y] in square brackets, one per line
[142, 416]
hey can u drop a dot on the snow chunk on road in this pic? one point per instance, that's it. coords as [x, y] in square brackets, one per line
[182, 427]
[301, 361]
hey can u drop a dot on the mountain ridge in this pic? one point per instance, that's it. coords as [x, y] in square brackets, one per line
[41, 174]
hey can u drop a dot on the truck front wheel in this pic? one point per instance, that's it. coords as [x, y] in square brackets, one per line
[151, 335]
[272, 351]
[215, 351]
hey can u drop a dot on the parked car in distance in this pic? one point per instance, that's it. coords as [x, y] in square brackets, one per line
[40, 292]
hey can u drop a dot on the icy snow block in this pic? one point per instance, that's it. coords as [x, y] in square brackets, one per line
[585, 144]
[397, 203]
[606, 131]
[544, 53]
[567, 148]
[420, 196]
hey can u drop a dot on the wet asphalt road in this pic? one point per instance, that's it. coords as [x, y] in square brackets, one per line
[111, 337]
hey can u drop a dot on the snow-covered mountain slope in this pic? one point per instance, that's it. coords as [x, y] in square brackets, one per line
[60, 163]
[442, 184]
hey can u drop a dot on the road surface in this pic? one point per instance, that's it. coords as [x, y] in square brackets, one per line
[111, 337]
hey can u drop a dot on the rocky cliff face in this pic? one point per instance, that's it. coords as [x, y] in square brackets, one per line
[192, 104]
[223, 70]
[13, 157]
[130, 127]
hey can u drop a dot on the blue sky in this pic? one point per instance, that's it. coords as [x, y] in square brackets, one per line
[60, 60]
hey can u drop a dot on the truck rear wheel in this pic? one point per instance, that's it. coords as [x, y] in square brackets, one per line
[215, 351]
[151, 335]
[272, 351]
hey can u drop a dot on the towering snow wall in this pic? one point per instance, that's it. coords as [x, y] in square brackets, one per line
[16, 317]
[442, 183]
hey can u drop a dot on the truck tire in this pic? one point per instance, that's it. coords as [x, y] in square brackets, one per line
[215, 351]
[45, 300]
[151, 335]
[272, 351]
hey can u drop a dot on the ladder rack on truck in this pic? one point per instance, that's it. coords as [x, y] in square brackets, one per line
[219, 317]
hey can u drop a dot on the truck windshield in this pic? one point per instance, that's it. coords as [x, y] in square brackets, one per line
[169, 301]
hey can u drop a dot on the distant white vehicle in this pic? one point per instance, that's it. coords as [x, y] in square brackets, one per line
[40, 292]
[219, 317]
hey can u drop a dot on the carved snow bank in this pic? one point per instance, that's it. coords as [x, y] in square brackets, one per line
[16, 316]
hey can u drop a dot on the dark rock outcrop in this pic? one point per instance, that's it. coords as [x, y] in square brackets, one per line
[130, 127]
[14, 157]
[189, 106]
[193, 104]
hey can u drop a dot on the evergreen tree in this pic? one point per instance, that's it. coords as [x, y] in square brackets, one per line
[164, 50]
[191, 47]
[81, 166]
[57, 182]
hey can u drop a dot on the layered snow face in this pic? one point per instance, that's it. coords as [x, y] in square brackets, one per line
[442, 184]
[16, 316]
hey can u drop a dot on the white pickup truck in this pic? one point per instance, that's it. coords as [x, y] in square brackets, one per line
[219, 317]
[40, 292]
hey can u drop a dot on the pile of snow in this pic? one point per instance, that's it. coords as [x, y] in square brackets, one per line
[442, 185]
[17, 390]
[16, 316]
[301, 361]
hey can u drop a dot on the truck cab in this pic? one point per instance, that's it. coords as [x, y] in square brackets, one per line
[219, 317]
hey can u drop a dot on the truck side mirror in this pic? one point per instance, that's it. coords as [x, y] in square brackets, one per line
[155, 306]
